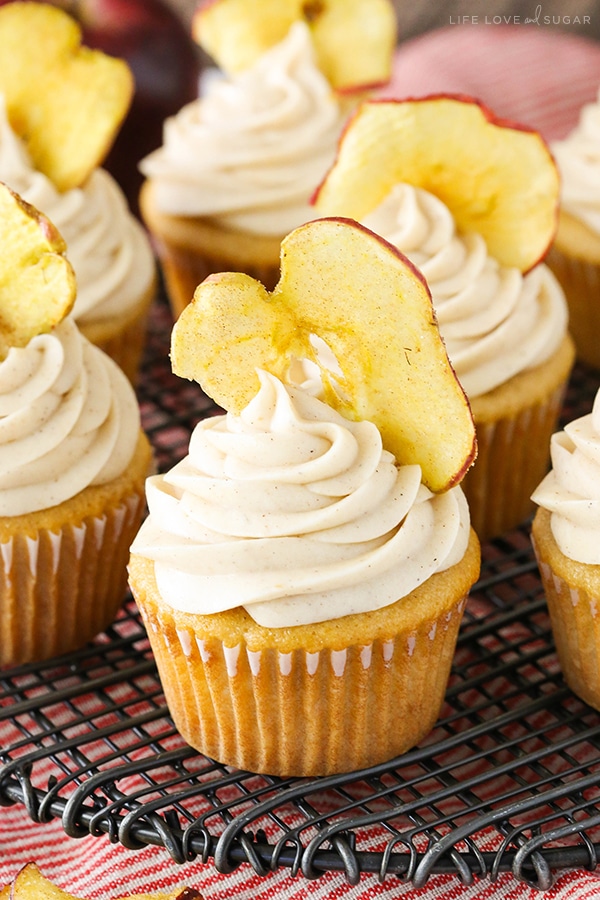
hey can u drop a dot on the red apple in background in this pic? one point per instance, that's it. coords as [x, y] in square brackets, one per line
[165, 62]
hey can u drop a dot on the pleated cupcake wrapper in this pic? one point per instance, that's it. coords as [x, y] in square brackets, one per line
[575, 621]
[184, 270]
[512, 459]
[580, 281]
[60, 588]
[303, 713]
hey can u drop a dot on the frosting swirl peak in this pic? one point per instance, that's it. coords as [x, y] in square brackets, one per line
[68, 419]
[251, 151]
[495, 321]
[571, 490]
[578, 160]
[295, 513]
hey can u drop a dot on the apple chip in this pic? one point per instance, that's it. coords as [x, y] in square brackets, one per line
[37, 283]
[497, 178]
[357, 293]
[30, 884]
[354, 39]
[65, 101]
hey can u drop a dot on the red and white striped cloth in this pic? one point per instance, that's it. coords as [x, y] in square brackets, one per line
[533, 75]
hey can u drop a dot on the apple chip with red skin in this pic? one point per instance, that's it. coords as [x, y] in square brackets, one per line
[497, 178]
[345, 285]
[354, 39]
[37, 283]
[65, 101]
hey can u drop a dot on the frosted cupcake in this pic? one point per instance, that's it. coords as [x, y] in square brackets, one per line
[505, 330]
[108, 248]
[303, 588]
[565, 538]
[74, 457]
[575, 255]
[237, 169]
[238, 166]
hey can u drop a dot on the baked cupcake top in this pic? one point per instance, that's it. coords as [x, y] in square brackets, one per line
[61, 105]
[571, 490]
[495, 321]
[472, 201]
[578, 159]
[291, 507]
[251, 150]
[68, 415]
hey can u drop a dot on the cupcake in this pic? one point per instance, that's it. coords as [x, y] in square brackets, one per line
[565, 539]
[107, 246]
[575, 254]
[301, 583]
[238, 165]
[477, 233]
[74, 457]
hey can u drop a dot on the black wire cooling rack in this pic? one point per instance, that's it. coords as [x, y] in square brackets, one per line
[508, 780]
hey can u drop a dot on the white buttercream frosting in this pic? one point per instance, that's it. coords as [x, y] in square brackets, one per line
[578, 160]
[107, 247]
[495, 321]
[296, 514]
[252, 150]
[571, 490]
[69, 418]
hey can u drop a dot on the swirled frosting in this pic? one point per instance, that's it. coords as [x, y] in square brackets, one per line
[251, 151]
[578, 160]
[107, 246]
[296, 514]
[68, 419]
[571, 490]
[495, 321]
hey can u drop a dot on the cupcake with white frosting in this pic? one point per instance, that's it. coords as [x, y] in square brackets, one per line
[238, 166]
[108, 248]
[506, 334]
[289, 564]
[73, 455]
[575, 255]
[472, 201]
[74, 460]
[566, 540]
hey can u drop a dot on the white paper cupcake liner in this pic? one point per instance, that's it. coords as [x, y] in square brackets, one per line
[60, 588]
[300, 712]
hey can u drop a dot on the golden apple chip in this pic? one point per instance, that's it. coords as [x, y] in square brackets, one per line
[65, 101]
[37, 283]
[354, 39]
[30, 884]
[497, 178]
[372, 308]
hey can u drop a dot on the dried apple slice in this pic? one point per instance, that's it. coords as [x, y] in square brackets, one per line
[37, 283]
[354, 39]
[65, 101]
[497, 178]
[352, 289]
[30, 884]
